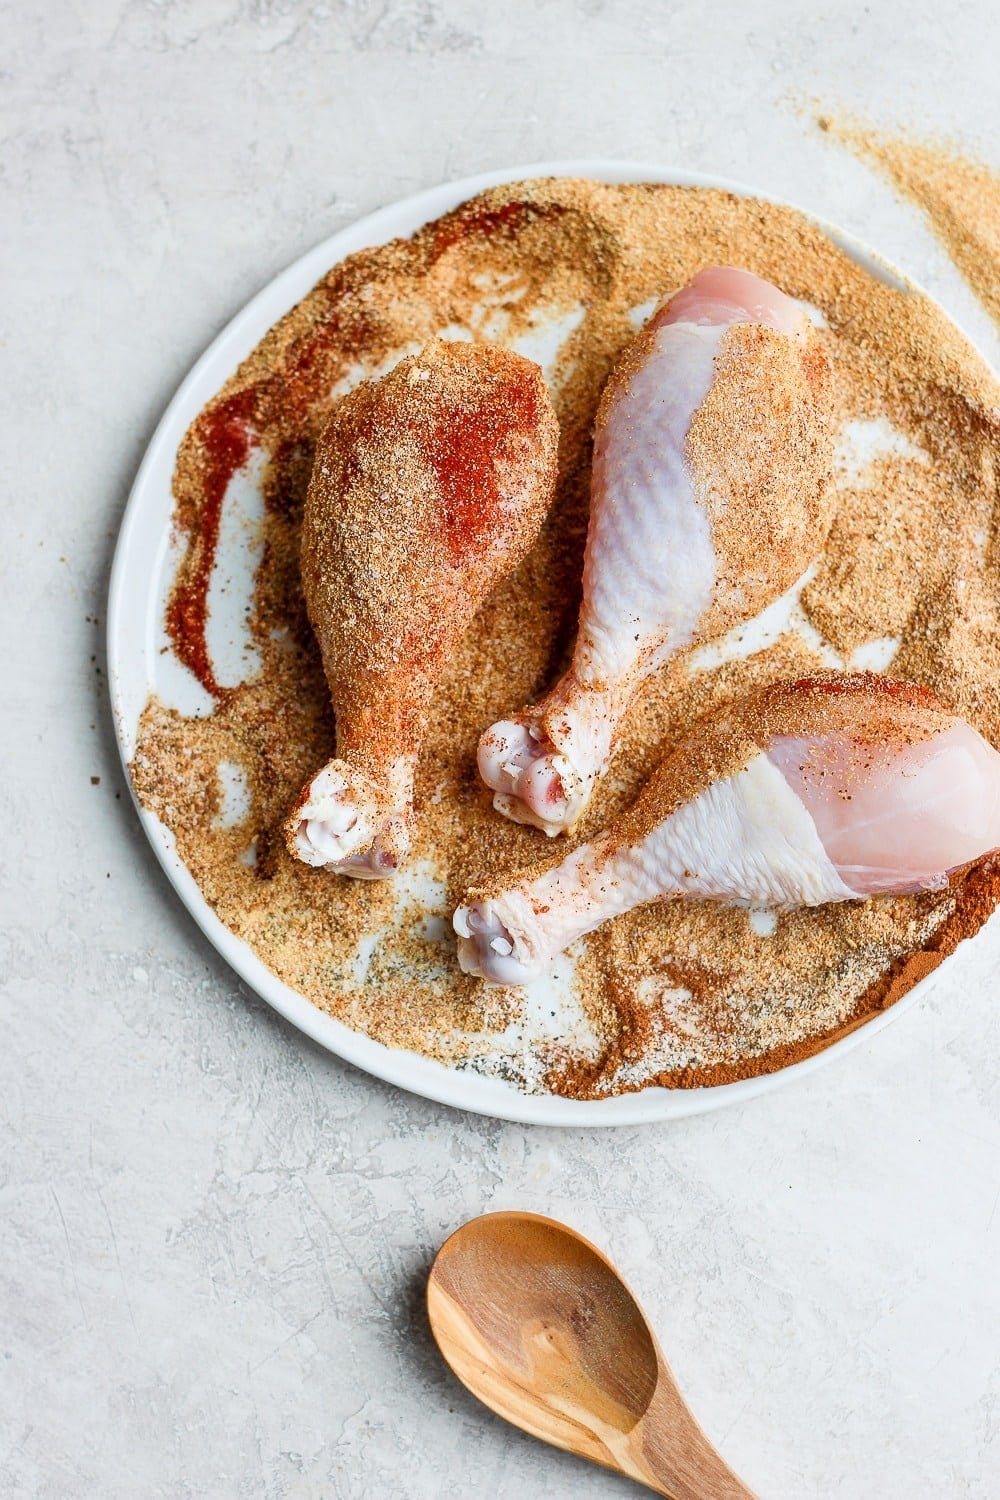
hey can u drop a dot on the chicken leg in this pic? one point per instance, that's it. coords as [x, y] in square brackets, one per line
[429, 486]
[834, 788]
[712, 452]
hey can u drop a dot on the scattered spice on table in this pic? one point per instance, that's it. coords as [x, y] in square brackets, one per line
[959, 195]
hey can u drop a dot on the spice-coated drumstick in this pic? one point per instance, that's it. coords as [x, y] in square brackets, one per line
[428, 487]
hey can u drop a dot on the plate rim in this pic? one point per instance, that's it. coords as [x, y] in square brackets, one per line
[459, 1088]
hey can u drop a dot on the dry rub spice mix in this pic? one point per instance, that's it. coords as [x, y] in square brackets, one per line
[681, 994]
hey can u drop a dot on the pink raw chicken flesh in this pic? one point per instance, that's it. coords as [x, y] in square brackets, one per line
[910, 815]
[660, 572]
[835, 788]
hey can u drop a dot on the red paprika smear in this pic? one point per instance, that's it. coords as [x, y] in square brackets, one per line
[462, 449]
[346, 333]
[508, 219]
[226, 439]
[869, 682]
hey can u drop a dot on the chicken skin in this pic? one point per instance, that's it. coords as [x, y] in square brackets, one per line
[834, 788]
[428, 487]
[712, 455]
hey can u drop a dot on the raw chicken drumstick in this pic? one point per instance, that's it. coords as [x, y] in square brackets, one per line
[712, 451]
[428, 487]
[834, 788]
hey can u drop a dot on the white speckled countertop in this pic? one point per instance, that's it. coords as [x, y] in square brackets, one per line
[213, 1237]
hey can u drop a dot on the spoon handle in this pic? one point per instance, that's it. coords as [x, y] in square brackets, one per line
[672, 1455]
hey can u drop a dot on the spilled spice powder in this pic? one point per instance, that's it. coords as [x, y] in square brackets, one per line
[682, 994]
[960, 197]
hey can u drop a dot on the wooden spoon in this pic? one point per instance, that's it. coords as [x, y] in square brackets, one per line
[538, 1324]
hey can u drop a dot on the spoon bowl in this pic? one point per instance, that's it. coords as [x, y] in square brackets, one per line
[540, 1326]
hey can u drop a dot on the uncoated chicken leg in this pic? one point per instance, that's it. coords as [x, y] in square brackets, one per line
[833, 788]
[712, 453]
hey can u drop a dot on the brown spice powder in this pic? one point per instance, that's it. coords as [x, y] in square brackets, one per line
[683, 994]
[960, 197]
[764, 425]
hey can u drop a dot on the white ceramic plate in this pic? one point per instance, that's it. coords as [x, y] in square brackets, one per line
[140, 579]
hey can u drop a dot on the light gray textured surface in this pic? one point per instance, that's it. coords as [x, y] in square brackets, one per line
[212, 1236]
